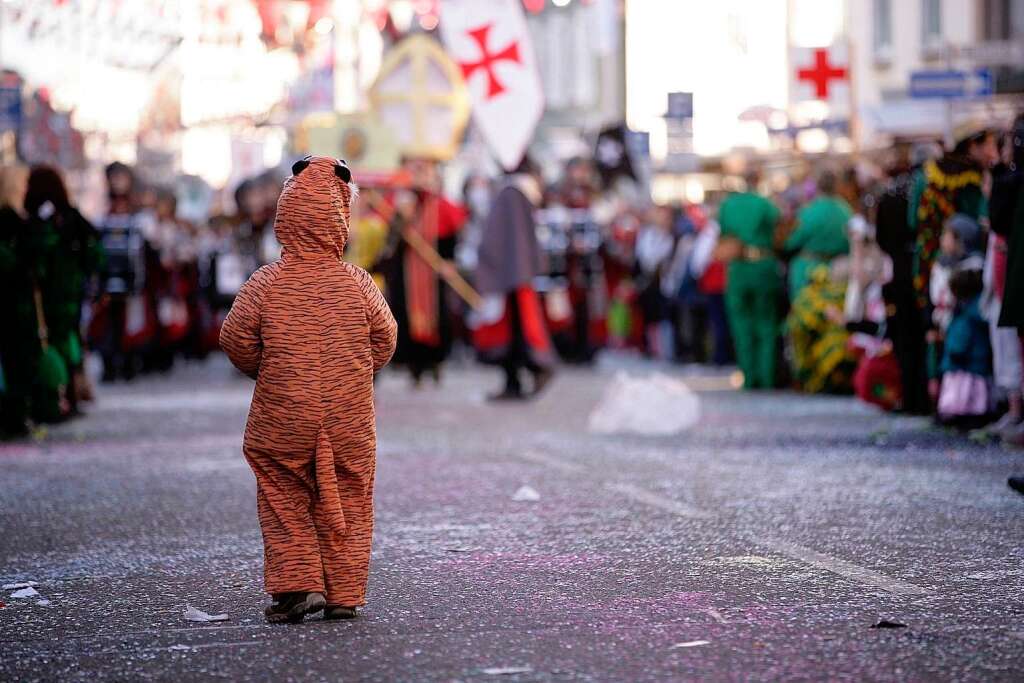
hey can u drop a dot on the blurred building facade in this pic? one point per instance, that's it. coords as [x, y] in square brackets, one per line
[215, 88]
[894, 38]
[581, 52]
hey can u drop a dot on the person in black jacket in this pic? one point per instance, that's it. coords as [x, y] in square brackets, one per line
[19, 340]
[904, 324]
[511, 331]
[1006, 213]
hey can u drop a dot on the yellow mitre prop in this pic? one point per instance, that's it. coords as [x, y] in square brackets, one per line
[420, 95]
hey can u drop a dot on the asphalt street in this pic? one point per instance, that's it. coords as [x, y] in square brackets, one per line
[761, 543]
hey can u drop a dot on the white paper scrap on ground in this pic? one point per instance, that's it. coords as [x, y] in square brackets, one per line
[21, 584]
[193, 614]
[995, 574]
[752, 561]
[43, 602]
[691, 643]
[29, 592]
[657, 405]
[507, 670]
[526, 494]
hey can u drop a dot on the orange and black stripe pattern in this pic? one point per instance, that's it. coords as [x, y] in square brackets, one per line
[312, 330]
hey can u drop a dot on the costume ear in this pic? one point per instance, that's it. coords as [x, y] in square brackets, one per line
[342, 171]
[300, 165]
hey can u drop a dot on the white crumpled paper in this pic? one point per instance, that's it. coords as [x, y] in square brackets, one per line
[193, 614]
[21, 584]
[526, 494]
[506, 670]
[691, 643]
[29, 592]
[657, 405]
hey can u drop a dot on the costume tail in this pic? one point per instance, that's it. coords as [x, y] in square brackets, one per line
[327, 484]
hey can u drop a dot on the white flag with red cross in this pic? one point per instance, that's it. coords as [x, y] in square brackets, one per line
[821, 74]
[491, 44]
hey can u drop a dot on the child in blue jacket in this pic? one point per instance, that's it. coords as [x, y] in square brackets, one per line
[964, 396]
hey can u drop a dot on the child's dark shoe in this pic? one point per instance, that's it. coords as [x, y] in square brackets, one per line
[291, 608]
[339, 612]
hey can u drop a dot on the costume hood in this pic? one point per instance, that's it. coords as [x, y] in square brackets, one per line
[314, 207]
[968, 232]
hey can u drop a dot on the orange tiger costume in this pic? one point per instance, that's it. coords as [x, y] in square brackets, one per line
[312, 330]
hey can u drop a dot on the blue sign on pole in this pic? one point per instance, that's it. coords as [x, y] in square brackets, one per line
[951, 84]
[10, 108]
[639, 143]
[680, 105]
[837, 126]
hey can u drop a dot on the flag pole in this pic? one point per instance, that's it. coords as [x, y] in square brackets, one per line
[437, 263]
[855, 131]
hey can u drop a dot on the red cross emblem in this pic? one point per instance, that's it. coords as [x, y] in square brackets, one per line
[822, 73]
[488, 59]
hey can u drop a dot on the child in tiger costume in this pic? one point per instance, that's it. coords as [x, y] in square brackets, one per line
[312, 330]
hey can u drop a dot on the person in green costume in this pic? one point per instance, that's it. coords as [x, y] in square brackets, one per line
[62, 251]
[753, 284]
[19, 336]
[1008, 221]
[820, 233]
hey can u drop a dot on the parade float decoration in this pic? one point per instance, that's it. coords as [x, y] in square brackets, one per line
[368, 146]
[360, 139]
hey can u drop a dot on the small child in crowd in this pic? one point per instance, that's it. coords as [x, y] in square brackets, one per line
[964, 396]
[961, 241]
[966, 367]
[960, 248]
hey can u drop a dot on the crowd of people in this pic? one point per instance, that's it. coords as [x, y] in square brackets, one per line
[523, 272]
[902, 286]
[896, 279]
[139, 285]
[887, 278]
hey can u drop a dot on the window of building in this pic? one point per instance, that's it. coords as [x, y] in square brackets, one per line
[882, 37]
[1002, 19]
[995, 15]
[931, 23]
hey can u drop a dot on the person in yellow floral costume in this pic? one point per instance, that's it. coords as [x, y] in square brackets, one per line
[822, 359]
[956, 183]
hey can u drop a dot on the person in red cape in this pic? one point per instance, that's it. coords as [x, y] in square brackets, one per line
[510, 330]
[415, 290]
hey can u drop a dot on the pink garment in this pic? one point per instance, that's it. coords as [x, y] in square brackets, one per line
[963, 393]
